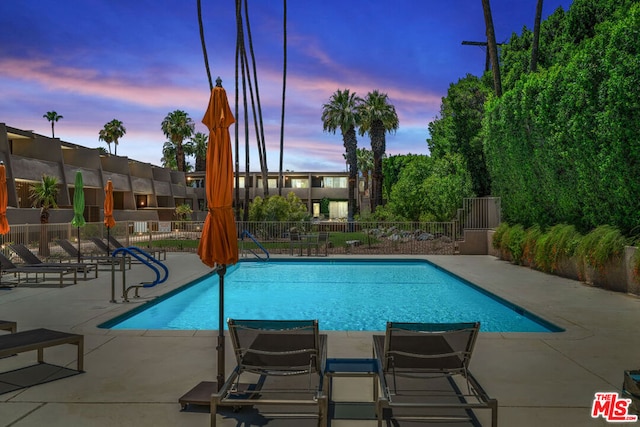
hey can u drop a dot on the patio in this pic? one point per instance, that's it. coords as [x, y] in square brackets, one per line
[135, 378]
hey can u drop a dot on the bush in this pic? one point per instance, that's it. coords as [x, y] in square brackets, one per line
[529, 245]
[600, 246]
[515, 239]
[497, 236]
[559, 242]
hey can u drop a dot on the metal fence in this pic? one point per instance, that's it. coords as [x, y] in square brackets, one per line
[360, 238]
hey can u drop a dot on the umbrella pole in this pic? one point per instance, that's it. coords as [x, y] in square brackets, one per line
[221, 377]
[108, 250]
[78, 245]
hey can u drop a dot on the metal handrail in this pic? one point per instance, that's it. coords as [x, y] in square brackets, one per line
[251, 236]
[136, 253]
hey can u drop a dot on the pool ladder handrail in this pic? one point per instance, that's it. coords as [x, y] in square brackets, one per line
[138, 254]
[244, 234]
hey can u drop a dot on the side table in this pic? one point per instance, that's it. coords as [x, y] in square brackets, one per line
[353, 368]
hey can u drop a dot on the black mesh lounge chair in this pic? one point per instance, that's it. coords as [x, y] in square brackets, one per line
[73, 254]
[160, 254]
[101, 245]
[31, 260]
[60, 269]
[9, 326]
[424, 373]
[289, 357]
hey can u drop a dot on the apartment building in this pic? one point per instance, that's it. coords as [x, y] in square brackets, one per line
[142, 191]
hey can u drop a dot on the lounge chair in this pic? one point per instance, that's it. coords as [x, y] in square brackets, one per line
[9, 326]
[295, 241]
[160, 254]
[74, 254]
[322, 242]
[6, 266]
[424, 371]
[31, 260]
[101, 245]
[37, 339]
[289, 358]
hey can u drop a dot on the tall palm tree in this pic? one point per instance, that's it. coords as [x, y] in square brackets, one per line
[492, 47]
[536, 36]
[169, 156]
[178, 126]
[112, 132]
[284, 90]
[341, 112]
[378, 117]
[199, 142]
[105, 136]
[365, 165]
[53, 117]
[43, 194]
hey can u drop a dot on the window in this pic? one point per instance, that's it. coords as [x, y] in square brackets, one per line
[335, 182]
[338, 210]
[299, 183]
[273, 183]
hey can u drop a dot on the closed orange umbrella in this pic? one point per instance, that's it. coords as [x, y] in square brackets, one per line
[109, 222]
[4, 224]
[219, 243]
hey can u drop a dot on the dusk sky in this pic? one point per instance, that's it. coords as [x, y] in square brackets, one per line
[137, 60]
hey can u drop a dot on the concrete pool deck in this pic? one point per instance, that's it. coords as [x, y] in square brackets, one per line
[135, 378]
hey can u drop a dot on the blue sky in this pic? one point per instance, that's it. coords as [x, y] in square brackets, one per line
[95, 60]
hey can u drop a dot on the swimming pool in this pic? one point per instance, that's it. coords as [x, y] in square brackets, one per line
[356, 295]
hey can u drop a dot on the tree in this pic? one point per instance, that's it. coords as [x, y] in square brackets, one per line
[377, 117]
[365, 166]
[278, 208]
[341, 112]
[178, 126]
[53, 117]
[112, 132]
[169, 156]
[199, 150]
[457, 129]
[536, 36]
[183, 212]
[43, 194]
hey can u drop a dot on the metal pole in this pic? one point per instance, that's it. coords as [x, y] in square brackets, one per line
[221, 377]
[113, 281]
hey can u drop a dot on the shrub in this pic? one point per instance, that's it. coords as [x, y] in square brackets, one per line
[558, 243]
[497, 236]
[515, 242]
[529, 245]
[600, 246]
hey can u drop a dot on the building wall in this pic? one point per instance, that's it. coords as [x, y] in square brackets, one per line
[141, 191]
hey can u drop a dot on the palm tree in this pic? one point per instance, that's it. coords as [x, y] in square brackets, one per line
[178, 126]
[378, 117]
[341, 112]
[536, 36]
[44, 194]
[53, 117]
[112, 132]
[365, 165]
[284, 90]
[199, 142]
[492, 47]
[169, 156]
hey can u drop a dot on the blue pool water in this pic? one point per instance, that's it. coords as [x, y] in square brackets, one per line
[341, 294]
